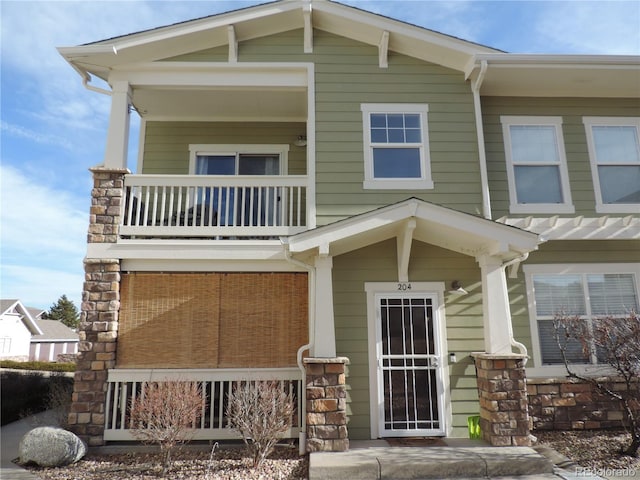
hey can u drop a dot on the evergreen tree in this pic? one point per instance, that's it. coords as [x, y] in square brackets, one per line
[64, 311]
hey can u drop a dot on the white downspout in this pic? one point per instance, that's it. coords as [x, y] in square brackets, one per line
[514, 342]
[86, 78]
[482, 155]
[302, 437]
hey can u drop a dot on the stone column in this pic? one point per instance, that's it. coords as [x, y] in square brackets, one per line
[504, 413]
[98, 328]
[326, 404]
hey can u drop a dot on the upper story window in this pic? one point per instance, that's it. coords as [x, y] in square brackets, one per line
[614, 150]
[536, 165]
[586, 291]
[238, 159]
[396, 146]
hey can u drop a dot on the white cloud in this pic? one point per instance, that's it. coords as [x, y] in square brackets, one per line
[588, 27]
[40, 287]
[43, 232]
[46, 139]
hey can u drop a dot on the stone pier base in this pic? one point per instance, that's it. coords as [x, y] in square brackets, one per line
[504, 414]
[326, 404]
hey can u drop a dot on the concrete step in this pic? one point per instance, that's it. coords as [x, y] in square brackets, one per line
[422, 463]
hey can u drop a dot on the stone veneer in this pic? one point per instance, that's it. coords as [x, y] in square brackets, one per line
[326, 404]
[569, 404]
[98, 328]
[504, 416]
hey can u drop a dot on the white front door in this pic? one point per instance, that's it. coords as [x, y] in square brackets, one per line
[409, 365]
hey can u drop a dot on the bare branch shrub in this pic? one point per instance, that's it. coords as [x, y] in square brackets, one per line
[165, 414]
[616, 343]
[261, 412]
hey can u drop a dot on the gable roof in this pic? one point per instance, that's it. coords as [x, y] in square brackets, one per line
[14, 305]
[429, 223]
[503, 74]
[268, 19]
[54, 330]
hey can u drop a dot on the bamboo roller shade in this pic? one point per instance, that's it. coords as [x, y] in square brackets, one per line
[212, 320]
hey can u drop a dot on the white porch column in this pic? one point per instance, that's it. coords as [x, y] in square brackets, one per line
[118, 133]
[495, 306]
[324, 327]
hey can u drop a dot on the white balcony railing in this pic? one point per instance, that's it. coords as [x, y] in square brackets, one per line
[213, 206]
[124, 387]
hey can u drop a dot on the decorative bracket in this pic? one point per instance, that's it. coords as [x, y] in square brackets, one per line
[383, 50]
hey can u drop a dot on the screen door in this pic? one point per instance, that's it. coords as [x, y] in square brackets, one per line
[409, 366]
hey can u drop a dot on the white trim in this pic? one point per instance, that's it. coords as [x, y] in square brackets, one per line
[578, 228]
[175, 265]
[288, 75]
[589, 123]
[566, 269]
[566, 206]
[425, 181]
[141, 144]
[436, 291]
[238, 149]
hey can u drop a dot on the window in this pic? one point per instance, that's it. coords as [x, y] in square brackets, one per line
[396, 146]
[5, 344]
[239, 205]
[536, 165]
[614, 150]
[587, 291]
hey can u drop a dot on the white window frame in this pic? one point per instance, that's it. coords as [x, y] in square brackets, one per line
[235, 149]
[425, 181]
[538, 369]
[589, 123]
[551, 208]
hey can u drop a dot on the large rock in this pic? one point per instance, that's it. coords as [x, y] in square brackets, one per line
[51, 447]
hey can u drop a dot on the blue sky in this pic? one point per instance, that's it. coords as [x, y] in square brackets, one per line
[53, 130]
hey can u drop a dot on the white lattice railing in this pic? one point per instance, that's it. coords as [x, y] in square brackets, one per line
[125, 385]
[213, 206]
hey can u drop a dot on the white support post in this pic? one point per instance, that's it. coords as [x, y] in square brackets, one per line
[495, 306]
[324, 328]
[118, 133]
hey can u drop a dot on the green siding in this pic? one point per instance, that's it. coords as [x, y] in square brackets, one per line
[571, 110]
[377, 263]
[166, 146]
[570, 252]
[346, 75]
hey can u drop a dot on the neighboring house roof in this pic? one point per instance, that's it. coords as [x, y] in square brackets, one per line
[36, 313]
[54, 330]
[15, 306]
[493, 72]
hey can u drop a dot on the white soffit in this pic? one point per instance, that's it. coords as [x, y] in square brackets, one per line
[579, 228]
[612, 76]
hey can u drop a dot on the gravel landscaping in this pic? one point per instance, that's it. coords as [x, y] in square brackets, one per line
[597, 450]
[225, 464]
[594, 450]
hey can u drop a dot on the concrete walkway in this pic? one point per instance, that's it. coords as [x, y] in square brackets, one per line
[460, 459]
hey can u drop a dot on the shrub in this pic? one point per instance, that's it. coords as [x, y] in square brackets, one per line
[27, 393]
[165, 414]
[42, 366]
[261, 412]
[616, 343]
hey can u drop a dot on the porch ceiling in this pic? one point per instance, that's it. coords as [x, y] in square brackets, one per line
[231, 104]
[436, 225]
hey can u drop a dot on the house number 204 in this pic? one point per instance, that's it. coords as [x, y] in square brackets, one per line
[404, 286]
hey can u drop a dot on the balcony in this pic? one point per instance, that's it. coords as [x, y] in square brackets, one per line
[213, 206]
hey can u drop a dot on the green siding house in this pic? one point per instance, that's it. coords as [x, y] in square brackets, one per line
[382, 217]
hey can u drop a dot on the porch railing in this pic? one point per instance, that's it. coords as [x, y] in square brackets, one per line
[124, 387]
[213, 206]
